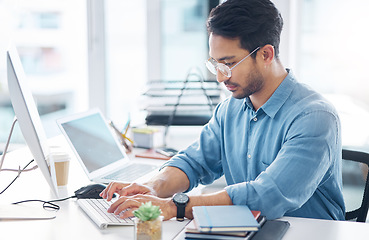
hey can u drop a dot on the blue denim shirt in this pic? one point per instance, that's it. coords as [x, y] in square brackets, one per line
[283, 159]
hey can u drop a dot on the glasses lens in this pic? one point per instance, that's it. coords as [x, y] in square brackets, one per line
[224, 70]
[211, 67]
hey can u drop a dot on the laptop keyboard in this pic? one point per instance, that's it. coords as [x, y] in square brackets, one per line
[96, 209]
[131, 172]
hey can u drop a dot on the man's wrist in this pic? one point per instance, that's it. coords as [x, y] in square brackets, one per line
[151, 186]
[172, 208]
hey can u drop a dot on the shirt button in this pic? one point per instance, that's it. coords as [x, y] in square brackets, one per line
[249, 156]
[255, 119]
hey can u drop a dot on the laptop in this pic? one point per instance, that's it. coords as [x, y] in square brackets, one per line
[99, 152]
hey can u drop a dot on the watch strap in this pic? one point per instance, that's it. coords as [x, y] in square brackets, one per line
[180, 212]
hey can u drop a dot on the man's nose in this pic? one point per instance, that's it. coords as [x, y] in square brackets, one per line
[221, 77]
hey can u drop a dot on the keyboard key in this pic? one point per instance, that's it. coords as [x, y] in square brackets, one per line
[96, 209]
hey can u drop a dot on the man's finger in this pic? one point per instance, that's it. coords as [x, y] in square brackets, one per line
[126, 205]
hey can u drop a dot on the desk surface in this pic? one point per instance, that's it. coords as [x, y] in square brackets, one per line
[71, 222]
[316, 229]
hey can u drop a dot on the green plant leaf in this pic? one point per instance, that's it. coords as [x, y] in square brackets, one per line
[147, 212]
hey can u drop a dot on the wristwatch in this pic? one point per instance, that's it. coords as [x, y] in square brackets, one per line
[180, 200]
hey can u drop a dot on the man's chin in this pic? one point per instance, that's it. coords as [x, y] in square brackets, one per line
[237, 95]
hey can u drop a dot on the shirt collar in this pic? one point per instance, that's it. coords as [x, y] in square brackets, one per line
[279, 97]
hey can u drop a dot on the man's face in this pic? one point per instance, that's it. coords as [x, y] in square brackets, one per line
[246, 79]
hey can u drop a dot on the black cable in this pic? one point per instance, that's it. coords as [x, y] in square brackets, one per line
[47, 205]
[19, 172]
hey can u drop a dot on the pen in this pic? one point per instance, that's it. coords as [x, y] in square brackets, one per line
[121, 136]
[126, 130]
[126, 127]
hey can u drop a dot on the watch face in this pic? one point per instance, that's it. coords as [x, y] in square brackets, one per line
[180, 198]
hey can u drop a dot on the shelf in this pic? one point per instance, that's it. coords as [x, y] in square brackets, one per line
[191, 102]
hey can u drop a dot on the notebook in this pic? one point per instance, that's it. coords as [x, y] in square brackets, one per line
[272, 230]
[98, 150]
[225, 218]
[192, 231]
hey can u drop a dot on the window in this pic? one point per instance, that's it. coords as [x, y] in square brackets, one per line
[184, 38]
[126, 58]
[50, 37]
[182, 48]
[146, 40]
[329, 43]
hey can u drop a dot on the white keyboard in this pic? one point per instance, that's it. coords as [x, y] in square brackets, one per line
[96, 209]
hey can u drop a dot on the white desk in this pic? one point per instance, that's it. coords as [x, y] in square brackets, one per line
[72, 223]
[316, 229]
[303, 228]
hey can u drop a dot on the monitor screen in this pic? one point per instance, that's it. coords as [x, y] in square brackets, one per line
[28, 117]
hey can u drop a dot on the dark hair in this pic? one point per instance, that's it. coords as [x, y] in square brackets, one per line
[255, 22]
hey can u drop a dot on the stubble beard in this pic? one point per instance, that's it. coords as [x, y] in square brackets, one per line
[256, 83]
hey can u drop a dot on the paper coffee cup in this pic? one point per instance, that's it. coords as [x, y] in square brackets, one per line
[61, 162]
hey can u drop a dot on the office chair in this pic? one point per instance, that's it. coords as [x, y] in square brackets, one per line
[360, 213]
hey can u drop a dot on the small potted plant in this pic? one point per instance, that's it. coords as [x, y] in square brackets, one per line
[148, 222]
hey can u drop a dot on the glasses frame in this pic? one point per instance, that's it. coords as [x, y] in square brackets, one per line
[213, 65]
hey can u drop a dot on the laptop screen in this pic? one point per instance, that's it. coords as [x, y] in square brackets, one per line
[93, 141]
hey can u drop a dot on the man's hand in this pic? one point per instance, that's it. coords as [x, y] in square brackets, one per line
[125, 205]
[125, 189]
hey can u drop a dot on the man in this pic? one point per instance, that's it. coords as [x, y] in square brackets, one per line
[277, 142]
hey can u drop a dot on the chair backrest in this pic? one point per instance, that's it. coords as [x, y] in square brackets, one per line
[360, 213]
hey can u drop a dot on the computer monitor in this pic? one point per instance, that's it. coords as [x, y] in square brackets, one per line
[28, 117]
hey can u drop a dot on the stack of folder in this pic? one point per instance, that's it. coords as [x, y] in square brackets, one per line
[233, 222]
[191, 101]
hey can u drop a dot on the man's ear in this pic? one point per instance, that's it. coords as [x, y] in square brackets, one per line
[267, 53]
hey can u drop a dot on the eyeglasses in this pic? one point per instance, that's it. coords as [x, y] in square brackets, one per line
[213, 66]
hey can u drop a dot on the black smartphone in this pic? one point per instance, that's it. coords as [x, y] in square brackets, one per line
[169, 152]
